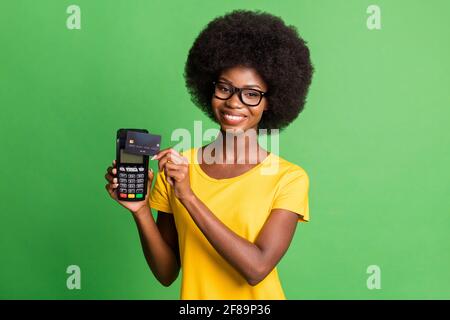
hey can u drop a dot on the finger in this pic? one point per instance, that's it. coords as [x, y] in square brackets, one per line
[113, 183]
[111, 192]
[175, 152]
[177, 175]
[175, 158]
[112, 171]
[150, 175]
[162, 162]
[149, 183]
[168, 178]
[174, 167]
[169, 157]
[185, 160]
[109, 177]
[162, 153]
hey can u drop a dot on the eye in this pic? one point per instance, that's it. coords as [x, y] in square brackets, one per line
[252, 94]
[223, 87]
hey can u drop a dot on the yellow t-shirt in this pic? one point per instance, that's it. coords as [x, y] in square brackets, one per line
[243, 203]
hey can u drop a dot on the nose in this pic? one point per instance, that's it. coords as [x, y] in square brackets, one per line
[234, 101]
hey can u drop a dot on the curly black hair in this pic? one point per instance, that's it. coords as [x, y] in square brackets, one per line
[258, 40]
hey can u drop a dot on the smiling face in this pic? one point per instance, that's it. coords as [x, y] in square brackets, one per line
[233, 114]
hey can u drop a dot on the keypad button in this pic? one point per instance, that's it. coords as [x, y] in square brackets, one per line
[140, 185]
[131, 175]
[140, 175]
[131, 180]
[122, 180]
[122, 175]
[131, 185]
[140, 180]
[123, 195]
[139, 195]
[131, 191]
[131, 196]
[121, 169]
[139, 190]
[141, 169]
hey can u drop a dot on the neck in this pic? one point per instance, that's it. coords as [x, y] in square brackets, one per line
[238, 147]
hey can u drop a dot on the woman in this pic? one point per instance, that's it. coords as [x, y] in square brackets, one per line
[225, 222]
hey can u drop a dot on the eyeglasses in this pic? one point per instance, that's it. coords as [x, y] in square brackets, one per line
[249, 97]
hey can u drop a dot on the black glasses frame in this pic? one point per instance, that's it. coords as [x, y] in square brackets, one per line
[239, 90]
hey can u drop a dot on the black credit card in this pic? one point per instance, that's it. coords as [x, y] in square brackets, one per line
[142, 143]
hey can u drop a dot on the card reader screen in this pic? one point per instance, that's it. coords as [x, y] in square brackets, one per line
[130, 158]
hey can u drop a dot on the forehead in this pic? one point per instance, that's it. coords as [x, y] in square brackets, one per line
[241, 76]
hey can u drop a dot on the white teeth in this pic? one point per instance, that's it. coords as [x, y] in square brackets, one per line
[233, 117]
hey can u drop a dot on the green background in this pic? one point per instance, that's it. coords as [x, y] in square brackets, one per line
[372, 138]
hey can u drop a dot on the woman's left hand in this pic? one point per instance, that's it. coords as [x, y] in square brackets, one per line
[176, 169]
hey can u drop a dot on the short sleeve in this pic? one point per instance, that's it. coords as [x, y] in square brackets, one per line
[159, 196]
[292, 194]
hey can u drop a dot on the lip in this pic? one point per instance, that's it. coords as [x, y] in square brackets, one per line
[233, 113]
[232, 121]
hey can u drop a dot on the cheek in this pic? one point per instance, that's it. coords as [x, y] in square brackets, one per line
[214, 107]
[259, 112]
[215, 103]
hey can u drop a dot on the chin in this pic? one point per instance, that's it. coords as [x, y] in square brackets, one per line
[233, 129]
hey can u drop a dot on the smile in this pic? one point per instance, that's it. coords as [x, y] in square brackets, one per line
[232, 119]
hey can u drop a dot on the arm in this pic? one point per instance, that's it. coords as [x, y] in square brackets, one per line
[254, 261]
[159, 243]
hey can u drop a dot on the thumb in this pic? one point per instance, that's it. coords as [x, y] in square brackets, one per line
[150, 179]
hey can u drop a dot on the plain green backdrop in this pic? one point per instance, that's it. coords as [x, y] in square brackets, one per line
[373, 138]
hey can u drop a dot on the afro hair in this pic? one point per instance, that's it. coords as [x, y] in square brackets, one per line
[258, 40]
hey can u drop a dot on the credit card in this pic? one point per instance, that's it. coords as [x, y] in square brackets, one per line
[142, 143]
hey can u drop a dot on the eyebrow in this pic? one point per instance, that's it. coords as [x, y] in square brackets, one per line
[246, 86]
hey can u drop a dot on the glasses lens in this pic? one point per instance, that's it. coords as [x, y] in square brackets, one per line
[251, 97]
[223, 91]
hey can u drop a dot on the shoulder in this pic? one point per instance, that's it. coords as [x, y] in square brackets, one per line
[288, 169]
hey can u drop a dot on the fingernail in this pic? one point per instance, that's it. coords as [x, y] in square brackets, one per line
[154, 157]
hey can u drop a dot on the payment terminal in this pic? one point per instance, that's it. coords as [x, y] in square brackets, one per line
[132, 168]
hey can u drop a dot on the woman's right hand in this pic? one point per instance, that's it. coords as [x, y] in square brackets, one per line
[111, 186]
